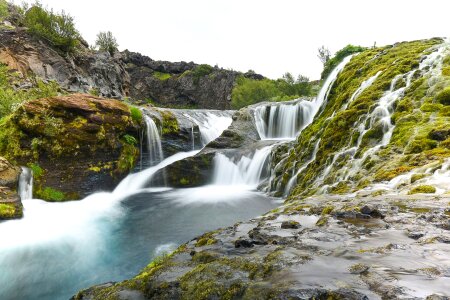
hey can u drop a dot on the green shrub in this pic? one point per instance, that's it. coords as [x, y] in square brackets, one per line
[423, 189]
[202, 70]
[58, 29]
[3, 10]
[106, 42]
[249, 91]
[339, 57]
[444, 96]
[11, 98]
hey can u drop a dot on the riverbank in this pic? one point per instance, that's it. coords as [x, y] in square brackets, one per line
[330, 247]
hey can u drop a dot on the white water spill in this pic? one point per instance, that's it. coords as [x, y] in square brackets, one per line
[155, 152]
[211, 124]
[286, 120]
[246, 171]
[26, 184]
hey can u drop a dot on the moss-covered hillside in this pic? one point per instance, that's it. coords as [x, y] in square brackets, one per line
[368, 134]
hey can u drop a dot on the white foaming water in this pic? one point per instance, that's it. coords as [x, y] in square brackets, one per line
[155, 153]
[247, 171]
[286, 120]
[26, 184]
[133, 183]
[211, 124]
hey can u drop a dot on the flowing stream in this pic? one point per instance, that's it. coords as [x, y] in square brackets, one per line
[60, 248]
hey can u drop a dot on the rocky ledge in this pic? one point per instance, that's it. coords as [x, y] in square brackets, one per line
[74, 144]
[10, 205]
[330, 247]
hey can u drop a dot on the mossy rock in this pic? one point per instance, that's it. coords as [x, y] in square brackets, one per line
[62, 138]
[423, 189]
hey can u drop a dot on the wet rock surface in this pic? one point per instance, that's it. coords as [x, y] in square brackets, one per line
[10, 204]
[342, 258]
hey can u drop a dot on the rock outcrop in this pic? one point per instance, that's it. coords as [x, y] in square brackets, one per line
[10, 205]
[74, 144]
[316, 248]
[124, 75]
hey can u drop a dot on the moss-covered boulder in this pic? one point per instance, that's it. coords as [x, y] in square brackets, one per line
[10, 205]
[74, 144]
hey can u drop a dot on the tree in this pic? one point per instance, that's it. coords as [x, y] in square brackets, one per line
[324, 54]
[3, 9]
[106, 42]
[302, 79]
[288, 78]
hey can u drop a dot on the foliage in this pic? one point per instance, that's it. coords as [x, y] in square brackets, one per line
[249, 91]
[136, 114]
[36, 170]
[11, 98]
[332, 63]
[106, 42]
[50, 194]
[201, 71]
[3, 9]
[58, 29]
[129, 139]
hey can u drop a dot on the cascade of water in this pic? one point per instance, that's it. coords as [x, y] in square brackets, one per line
[293, 179]
[286, 120]
[211, 124]
[155, 153]
[246, 171]
[364, 85]
[26, 184]
[381, 116]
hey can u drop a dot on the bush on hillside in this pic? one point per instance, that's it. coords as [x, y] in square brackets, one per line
[338, 57]
[58, 29]
[250, 91]
[106, 42]
[3, 10]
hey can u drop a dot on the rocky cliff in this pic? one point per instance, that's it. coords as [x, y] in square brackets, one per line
[124, 75]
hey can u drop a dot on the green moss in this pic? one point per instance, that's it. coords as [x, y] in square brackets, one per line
[323, 220]
[416, 177]
[7, 210]
[136, 114]
[161, 76]
[127, 158]
[50, 194]
[129, 139]
[388, 174]
[169, 122]
[37, 170]
[443, 97]
[425, 189]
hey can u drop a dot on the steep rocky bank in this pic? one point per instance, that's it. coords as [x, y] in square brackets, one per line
[74, 144]
[124, 75]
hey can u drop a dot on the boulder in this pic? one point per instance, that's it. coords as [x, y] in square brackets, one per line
[74, 144]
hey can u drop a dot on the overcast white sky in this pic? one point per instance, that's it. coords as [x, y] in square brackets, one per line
[268, 36]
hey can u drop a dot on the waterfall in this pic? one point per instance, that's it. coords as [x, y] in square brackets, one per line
[246, 171]
[155, 153]
[286, 120]
[211, 124]
[26, 184]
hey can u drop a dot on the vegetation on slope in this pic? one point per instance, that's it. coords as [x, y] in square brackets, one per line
[420, 117]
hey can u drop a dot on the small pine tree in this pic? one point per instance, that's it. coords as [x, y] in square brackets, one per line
[107, 42]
